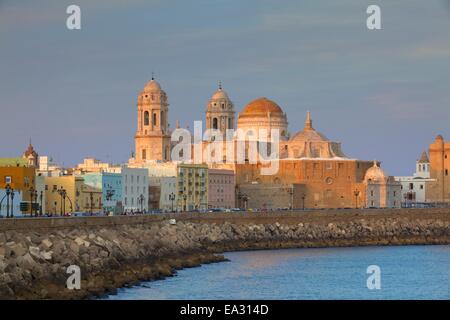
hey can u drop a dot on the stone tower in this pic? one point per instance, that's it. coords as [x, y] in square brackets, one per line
[152, 137]
[220, 112]
[439, 152]
[423, 166]
[31, 155]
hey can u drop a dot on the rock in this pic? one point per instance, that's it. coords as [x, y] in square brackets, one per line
[16, 249]
[47, 255]
[47, 243]
[74, 247]
[35, 252]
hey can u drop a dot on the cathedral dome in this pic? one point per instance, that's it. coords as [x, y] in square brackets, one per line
[263, 113]
[375, 173]
[261, 105]
[308, 133]
[310, 143]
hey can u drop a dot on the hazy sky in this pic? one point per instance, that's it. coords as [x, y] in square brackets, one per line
[384, 94]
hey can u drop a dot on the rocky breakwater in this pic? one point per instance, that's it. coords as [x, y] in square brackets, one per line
[33, 262]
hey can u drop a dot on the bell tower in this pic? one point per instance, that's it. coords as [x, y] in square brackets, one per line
[220, 113]
[152, 139]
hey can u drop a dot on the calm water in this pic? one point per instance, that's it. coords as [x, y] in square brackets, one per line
[410, 272]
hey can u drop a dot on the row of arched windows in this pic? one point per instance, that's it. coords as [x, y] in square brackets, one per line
[147, 118]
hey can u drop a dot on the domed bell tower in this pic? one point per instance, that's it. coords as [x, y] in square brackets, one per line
[152, 137]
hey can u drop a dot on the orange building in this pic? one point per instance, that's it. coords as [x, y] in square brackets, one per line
[18, 176]
[439, 190]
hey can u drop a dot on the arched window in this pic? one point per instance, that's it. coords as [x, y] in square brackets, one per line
[230, 124]
[144, 154]
[154, 119]
[146, 118]
[215, 123]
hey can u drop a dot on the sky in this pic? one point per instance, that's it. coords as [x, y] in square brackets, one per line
[384, 94]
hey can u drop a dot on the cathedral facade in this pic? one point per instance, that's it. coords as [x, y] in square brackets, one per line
[313, 171]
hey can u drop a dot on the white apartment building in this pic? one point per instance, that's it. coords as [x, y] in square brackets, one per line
[414, 187]
[135, 189]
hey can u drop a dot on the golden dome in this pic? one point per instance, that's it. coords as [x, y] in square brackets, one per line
[261, 105]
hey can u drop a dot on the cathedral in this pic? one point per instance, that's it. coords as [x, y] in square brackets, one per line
[313, 170]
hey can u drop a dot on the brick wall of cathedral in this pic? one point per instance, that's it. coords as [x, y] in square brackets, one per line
[310, 183]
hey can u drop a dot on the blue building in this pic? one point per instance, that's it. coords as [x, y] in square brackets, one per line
[111, 186]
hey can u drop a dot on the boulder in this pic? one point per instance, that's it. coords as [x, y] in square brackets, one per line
[47, 243]
[16, 249]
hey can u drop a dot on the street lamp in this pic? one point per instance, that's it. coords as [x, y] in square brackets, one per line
[12, 203]
[32, 194]
[291, 193]
[8, 192]
[172, 198]
[40, 200]
[1, 201]
[63, 193]
[356, 193]
[303, 201]
[141, 202]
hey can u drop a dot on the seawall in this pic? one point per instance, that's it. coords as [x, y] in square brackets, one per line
[115, 251]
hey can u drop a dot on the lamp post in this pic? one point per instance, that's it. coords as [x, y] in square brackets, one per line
[303, 201]
[8, 192]
[1, 201]
[12, 203]
[291, 193]
[91, 198]
[141, 202]
[40, 200]
[63, 193]
[172, 198]
[356, 193]
[31, 190]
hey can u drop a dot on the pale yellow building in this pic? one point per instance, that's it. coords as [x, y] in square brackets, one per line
[79, 197]
[192, 187]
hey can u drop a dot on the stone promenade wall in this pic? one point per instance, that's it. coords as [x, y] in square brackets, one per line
[115, 251]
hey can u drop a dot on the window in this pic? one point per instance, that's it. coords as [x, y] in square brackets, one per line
[146, 118]
[395, 193]
[446, 172]
[8, 179]
[411, 186]
[215, 123]
[371, 193]
[154, 119]
[421, 187]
